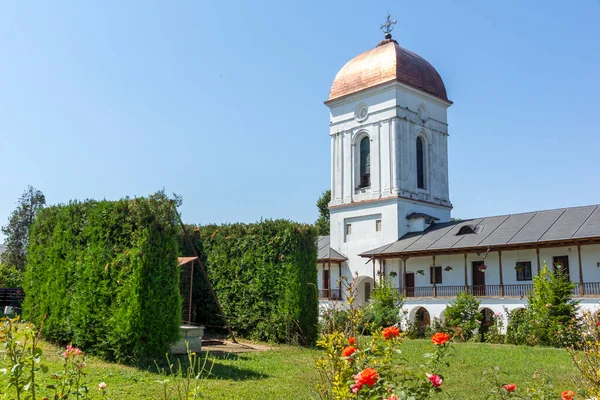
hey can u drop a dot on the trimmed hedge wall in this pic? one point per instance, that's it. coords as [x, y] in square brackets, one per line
[265, 277]
[105, 277]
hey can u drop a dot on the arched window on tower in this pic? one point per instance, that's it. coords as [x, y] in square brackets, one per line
[365, 163]
[420, 163]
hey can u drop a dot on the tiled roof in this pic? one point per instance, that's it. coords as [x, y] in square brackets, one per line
[385, 63]
[539, 227]
[325, 252]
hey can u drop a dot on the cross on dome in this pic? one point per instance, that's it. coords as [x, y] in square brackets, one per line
[388, 27]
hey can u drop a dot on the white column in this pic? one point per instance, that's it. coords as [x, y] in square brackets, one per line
[385, 158]
[347, 168]
[339, 163]
[375, 161]
[405, 158]
[333, 161]
[394, 130]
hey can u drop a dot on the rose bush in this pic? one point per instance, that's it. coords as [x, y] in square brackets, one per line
[374, 368]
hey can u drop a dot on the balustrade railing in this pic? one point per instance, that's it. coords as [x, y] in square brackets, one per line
[591, 288]
[449, 291]
[519, 290]
[485, 290]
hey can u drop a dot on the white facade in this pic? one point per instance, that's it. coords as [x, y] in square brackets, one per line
[392, 117]
[368, 213]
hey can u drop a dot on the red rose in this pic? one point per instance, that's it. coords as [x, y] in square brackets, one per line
[391, 332]
[352, 340]
[567, 395]
[436, 380]
[368, 377]
[440, 338]
[510, 387]
[348, 351]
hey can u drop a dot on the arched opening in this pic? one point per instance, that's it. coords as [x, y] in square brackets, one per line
[420, 163]
[487, 320]
[487, 317]
[362, 288]
[365, 162]
[422, 319]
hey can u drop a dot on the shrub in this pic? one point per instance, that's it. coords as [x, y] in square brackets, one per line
[28, 375]
[518, 329]
[463, 313]
[10, 277]
[383, 308]
[495, 333]
[587, 359]
[105, 275]
[375, 369]
[551, 315]
[264, 275]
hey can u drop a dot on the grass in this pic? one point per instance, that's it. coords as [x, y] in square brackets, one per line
[463, 380]
[288, 372]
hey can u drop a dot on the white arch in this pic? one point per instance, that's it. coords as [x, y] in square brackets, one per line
[443, 316]
[412, 315]
[359, 287]
[359, 135]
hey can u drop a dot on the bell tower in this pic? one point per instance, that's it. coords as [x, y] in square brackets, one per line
[389, 153]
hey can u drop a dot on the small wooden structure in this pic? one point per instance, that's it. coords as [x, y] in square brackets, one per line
[188, 332]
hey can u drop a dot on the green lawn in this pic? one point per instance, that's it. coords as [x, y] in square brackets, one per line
[518, 363]
[288, 372]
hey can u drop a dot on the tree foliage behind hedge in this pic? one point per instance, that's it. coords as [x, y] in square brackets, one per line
[105, 276]
[264, 275]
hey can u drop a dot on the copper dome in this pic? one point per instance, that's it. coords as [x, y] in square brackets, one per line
[385, 63]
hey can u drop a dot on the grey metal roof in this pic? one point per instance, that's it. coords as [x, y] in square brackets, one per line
[325, 252]
[421, 215]
[564, 224]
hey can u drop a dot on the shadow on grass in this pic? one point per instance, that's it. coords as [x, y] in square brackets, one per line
[214, 365]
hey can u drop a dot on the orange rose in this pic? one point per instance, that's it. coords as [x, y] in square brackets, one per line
[567, 395]
[440, 338]
[391, 332]
[368, 377]
[348, 351]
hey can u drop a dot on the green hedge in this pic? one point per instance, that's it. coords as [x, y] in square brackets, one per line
[264, 275]
[105, 277]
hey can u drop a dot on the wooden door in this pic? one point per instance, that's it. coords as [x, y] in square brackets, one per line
[478, 279]
[410, 284]
[563, 262]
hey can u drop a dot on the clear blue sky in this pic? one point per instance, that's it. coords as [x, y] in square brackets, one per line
[222, 102]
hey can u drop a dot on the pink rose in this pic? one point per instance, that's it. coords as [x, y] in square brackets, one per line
[436, 380]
